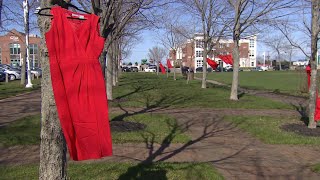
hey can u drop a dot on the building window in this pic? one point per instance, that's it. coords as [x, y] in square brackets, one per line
[199, 53]
[33, 50]
[251, 44]
[15, 54]
[199, 44]
[252, 64]
[251, 54]
[199, 63]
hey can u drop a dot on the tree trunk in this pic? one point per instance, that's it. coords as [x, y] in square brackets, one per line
[23, 69]
[236, 54]
[313, 85]
[52, 147]
[109, 73]
[204, 66]
[114, 62]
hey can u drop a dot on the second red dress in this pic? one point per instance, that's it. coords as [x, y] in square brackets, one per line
[74, 46]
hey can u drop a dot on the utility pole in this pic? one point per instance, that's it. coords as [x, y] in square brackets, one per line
[26, 27]
[264, 59]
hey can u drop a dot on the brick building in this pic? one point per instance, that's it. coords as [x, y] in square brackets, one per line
[12, 48]
[191, 53]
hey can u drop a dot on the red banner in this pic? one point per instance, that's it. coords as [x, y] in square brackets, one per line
[163, 70]
[226, 58]
[212, 63]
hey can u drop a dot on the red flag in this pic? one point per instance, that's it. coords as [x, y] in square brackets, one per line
[169, 63]
[212, 63]
[317, 109]
[226, 58]
[163, 70]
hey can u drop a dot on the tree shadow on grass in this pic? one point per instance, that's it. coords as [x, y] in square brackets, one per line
[160, 152]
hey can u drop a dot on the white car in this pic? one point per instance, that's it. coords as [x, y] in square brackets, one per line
[150, 69]
[13, 73]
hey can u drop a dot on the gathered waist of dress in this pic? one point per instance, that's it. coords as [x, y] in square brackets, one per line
[77, 60]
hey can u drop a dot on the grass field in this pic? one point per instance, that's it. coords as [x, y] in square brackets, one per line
[121, 171]
[268, 129]
[26, 131]
[289, 82]
[13, 88]
[149, 91]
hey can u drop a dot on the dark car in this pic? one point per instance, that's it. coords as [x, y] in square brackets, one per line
[2, 76]
[125, 69]
[133, 69]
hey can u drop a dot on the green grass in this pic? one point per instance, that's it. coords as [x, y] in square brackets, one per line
[288, 82]
[268, 130]
[26, 131]
[159, 129]
[150, 91]
[316, 168]
[13, 88]
[122, 171]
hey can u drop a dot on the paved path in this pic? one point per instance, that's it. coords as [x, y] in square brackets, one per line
[16, 107]
[236, 154]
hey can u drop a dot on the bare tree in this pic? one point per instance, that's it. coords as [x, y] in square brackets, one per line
[307, 24]
[248, 14]
[157, 54]
[115, 15]
[210, 14]
[173, 39]
[278, 44]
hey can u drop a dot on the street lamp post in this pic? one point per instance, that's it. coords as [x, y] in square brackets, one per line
[26, 25]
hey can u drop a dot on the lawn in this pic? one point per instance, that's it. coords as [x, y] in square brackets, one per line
[13, 88]
[26, 131]
[268, 129]
[316, 168]
[150, 91]
[288, 82]
[122, 171]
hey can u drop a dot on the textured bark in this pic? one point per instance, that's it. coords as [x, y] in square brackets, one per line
[204, 68]
[109, 72]
[235, 75]
[236, 53]
[313, 84]
[114, 63]
[52, 146]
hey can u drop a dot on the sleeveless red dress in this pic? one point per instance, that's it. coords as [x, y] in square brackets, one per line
[74, 46]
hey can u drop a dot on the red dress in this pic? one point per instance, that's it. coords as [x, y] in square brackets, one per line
[74, 47]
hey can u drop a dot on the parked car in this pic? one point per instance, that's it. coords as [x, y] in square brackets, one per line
[200, 69]
[12, 72]
[133, 69]
[2, 76]
[150, 69]
[125, 69]
[36, 72]
[283, 67]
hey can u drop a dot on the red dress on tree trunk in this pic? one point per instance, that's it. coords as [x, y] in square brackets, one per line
[74, 46]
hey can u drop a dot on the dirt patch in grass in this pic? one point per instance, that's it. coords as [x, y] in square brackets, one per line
[301, 129]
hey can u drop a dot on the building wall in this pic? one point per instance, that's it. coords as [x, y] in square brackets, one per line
[15, 38]
[192, 51]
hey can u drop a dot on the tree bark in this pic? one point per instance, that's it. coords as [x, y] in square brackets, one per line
[314, 39]
[236, 54]
[114, 60]
[109, 73]
[204, 66]
[52, 146]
